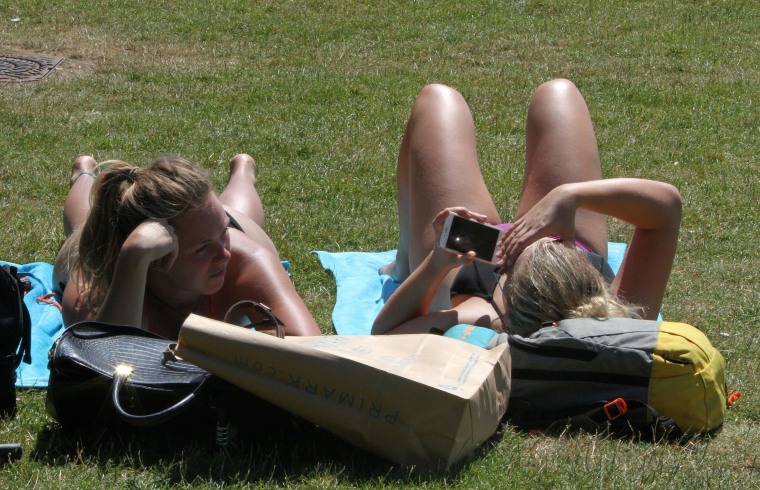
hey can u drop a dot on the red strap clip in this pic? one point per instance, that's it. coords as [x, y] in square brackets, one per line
[733, 396]
[615, 409]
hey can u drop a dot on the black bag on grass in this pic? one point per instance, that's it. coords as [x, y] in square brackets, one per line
[121, 377]
[15, 336]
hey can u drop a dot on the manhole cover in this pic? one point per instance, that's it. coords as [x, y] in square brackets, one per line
[26, 68]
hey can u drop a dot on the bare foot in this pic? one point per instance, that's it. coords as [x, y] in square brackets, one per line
[394, 271]
[83, 165]
[243, 163]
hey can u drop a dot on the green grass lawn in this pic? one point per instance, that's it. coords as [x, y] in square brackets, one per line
[318, 92]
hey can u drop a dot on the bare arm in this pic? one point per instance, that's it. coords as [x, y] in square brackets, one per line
[643, 275]
[653, 208]
[152, 241]
[415, 295]
[124, 302]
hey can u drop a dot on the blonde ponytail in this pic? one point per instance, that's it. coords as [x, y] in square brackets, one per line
[551, 283]
[123, 197]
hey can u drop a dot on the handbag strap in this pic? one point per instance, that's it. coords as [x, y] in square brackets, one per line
[270, 324]
[151, 419]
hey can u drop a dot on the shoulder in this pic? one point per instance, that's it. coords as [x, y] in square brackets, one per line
[244, 247]
[251, 261]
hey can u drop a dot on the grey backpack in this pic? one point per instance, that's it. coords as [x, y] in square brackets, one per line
[620, 374]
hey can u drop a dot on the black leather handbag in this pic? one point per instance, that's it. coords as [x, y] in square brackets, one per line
[104, 375]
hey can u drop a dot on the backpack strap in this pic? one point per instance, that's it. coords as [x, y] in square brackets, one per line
[599, 416]
[24, 324]
[620, 416]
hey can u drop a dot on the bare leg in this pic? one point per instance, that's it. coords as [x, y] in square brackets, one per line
[561, 148]
[75, 211]
[77, 205]
[240, 193]
[400, 268]
[242, 201]
[437, 168]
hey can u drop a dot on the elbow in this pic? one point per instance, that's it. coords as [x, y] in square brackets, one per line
[673, 202]
[382, 326]
[378, 329]
[672, 195]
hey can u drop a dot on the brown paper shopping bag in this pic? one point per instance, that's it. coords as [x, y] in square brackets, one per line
[413, 399]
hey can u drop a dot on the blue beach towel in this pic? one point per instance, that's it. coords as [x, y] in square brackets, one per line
[362, 292]
[47, 322]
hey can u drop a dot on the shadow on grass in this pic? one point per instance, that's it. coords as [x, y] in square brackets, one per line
[281, 452]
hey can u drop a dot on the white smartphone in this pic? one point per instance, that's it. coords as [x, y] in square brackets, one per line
[462, 235]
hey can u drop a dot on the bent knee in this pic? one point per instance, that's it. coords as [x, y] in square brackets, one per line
[558, 85]
[555, 90]
[440, 92]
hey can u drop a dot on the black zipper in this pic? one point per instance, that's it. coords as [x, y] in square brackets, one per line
[682, 362]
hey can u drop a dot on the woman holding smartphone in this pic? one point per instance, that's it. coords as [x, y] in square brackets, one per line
[551, 262]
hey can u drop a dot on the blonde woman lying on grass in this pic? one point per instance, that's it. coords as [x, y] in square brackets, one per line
[552, 258]
[148, 246]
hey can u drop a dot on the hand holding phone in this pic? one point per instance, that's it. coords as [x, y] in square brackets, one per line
[462, 235]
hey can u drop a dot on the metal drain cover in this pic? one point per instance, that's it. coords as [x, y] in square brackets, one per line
[26, 68]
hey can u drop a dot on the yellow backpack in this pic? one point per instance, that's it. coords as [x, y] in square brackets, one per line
[589, 373]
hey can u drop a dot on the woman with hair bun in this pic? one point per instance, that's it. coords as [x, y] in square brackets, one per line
[148, 246]
[552, 258]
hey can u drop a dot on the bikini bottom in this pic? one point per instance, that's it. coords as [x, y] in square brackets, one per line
[234, 223]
